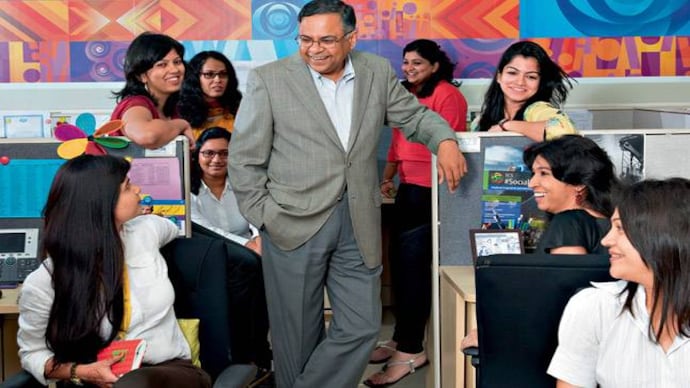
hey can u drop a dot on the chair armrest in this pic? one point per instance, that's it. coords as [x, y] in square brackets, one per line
[21, 379]
[473, 352]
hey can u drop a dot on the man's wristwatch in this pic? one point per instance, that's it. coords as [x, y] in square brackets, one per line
[73, 378]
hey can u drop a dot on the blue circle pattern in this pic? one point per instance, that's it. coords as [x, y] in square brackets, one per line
[631, 18]
[275, 20]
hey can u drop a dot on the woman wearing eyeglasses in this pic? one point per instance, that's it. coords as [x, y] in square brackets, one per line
[154, 71]
[214, 207]
[209, 96]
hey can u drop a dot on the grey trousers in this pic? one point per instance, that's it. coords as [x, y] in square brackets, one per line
[305, 355]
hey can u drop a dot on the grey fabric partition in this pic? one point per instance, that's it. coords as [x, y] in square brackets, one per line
[665, 154]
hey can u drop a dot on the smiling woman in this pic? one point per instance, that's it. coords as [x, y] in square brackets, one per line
[638, 328]
[210, 95]
[572, 179]
[154, 71]
[525, 94]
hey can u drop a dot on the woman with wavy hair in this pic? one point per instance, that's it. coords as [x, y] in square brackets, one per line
[525, 95]
[210, 95]
[103, 278]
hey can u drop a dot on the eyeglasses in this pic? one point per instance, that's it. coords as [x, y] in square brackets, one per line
[325, 42]
[214, 74]
[209, 154]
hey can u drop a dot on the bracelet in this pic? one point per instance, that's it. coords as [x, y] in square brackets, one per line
[73, 378]
[383, 182]
[500, 124]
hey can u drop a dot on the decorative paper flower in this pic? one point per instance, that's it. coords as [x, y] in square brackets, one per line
[81, 138]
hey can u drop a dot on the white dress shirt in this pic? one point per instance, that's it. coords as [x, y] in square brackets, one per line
[152, 296]
[597, 344]
[221, 215]
[337, 99]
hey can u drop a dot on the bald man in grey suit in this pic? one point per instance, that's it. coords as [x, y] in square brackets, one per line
[303, 165]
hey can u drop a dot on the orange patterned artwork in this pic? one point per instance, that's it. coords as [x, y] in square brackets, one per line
[391, 19]
[85, 40]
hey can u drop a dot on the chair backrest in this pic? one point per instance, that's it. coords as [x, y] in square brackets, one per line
[520, 299]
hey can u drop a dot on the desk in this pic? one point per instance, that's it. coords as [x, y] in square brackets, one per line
[458, 316]
[9, 312]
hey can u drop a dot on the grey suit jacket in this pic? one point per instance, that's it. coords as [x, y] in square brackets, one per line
[287, 166]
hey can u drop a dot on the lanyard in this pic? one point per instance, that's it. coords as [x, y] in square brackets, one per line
[127, 305]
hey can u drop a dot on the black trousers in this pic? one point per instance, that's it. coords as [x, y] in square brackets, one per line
[410, 261]
[248, 311]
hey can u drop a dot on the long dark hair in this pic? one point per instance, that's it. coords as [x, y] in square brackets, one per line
[432, 52]
[82, 240]
[577, 160]
[320, 7]
[554, 84]
[655, 215]
[193, 106]
[196, 172]
[144, 51]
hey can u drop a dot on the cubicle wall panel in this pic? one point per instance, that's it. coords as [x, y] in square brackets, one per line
[668, 155]
[27, 169]
[635, 153]
[461, 211]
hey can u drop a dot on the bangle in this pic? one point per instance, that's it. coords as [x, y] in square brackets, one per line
[500, 124]
[383, 182]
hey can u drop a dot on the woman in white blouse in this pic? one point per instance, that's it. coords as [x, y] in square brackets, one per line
[214, 205]
[635, 332]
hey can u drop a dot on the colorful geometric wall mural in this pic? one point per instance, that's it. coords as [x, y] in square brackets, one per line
[85, 40]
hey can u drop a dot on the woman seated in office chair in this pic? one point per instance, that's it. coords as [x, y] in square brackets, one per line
[572, 180]
[525, 95]
[103, 279]
[214, 207]
[635, 332]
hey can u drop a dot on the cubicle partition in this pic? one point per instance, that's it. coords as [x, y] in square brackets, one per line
[494, 194]
[27, 168]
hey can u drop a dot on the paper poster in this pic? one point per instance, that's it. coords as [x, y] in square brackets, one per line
[158, 178]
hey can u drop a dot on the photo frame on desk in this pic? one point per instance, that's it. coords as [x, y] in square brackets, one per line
[485, 242]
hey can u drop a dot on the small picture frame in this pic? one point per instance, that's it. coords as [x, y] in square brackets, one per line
[487, 242]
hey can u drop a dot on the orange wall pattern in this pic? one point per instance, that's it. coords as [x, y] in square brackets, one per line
[85, 40]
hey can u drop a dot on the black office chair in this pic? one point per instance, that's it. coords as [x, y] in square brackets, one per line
[520, 299]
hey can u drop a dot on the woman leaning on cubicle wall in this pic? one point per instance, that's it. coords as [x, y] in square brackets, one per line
[154, 70]
[525, 95]
[634, 332]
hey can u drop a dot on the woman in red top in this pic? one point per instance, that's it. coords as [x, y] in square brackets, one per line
[429, 75]
[154, 71]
